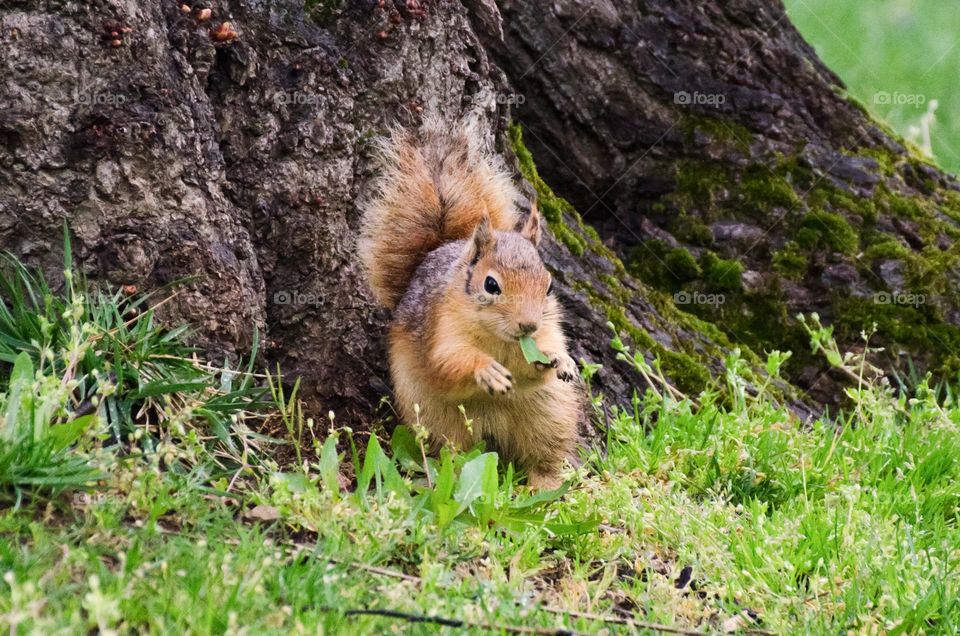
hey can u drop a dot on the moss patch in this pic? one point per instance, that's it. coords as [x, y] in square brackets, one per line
[690, 229]
[825, 195]
[551, 206]
[827, 229]
[721, 274]
[761, 190]
[688, 362]
[918, 327]
[721, 131]
[886, 160]
[690, 376]
[656, 264]
[905, 207]
[696, 185]
[885, 247]
[681, 265]
[791, 261]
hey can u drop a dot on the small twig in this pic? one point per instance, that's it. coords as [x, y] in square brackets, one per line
[650, 383]
[666, 629]
[153, 308]
[244, 465]
[456, 622]
[373, 569]
[209, 367]
[421, 435]
[657, 627]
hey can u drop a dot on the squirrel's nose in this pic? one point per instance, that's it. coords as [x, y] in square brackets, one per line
[527, 328]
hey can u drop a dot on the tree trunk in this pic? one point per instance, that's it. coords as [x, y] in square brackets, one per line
[684, 129]
[174, 155]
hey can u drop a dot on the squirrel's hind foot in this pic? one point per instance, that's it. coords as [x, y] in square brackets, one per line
[544, 481]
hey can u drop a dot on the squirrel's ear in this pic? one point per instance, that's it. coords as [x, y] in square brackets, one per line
[531, 229]
[482, 242]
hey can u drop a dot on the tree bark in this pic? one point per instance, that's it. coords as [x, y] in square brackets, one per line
[687, 127]
[242, 163]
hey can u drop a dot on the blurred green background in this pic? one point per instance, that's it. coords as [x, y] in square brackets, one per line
[897, 57]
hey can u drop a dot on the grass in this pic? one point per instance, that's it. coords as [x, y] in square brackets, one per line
[702, 513]
[896, 57]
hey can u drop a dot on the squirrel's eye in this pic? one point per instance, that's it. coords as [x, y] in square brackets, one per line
[491, 286]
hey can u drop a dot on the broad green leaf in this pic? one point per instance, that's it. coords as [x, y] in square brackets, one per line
[406, 449]
[587, 526]
[330, 465]
[834, 358]
[487, 505]
[542, 497]
[369, 466]
[376, 465]
[295, 482]
[63, 435]
[518, 521]
[441, 498]
[470, 487]
[387, 473]
[17, 416]
[531, 352]
[446, 512]
[445, 480]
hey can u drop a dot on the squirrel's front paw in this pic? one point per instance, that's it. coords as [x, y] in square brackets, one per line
[494, 378]
[564, 364]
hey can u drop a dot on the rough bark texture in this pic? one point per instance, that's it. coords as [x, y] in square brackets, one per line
[242, 163]
[688, 130]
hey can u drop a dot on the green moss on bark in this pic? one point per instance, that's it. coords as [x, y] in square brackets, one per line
[690, 376]
[908, 218]
[681, 265]
[722, 131]
[886, 247]
[696, 185]
[761, 189]
[827, 229]
[791, 262]
[688, 359]
[720, 274]
[825, 195]
[690, 229]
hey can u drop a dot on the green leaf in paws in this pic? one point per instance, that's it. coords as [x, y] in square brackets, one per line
[531, 352]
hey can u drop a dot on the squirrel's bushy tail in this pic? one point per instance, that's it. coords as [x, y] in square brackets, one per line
[434, 187]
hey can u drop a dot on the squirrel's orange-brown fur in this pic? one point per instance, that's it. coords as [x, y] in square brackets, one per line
[432, 190]
[441, 225]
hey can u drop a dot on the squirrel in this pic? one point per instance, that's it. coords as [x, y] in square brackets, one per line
[443, 246]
